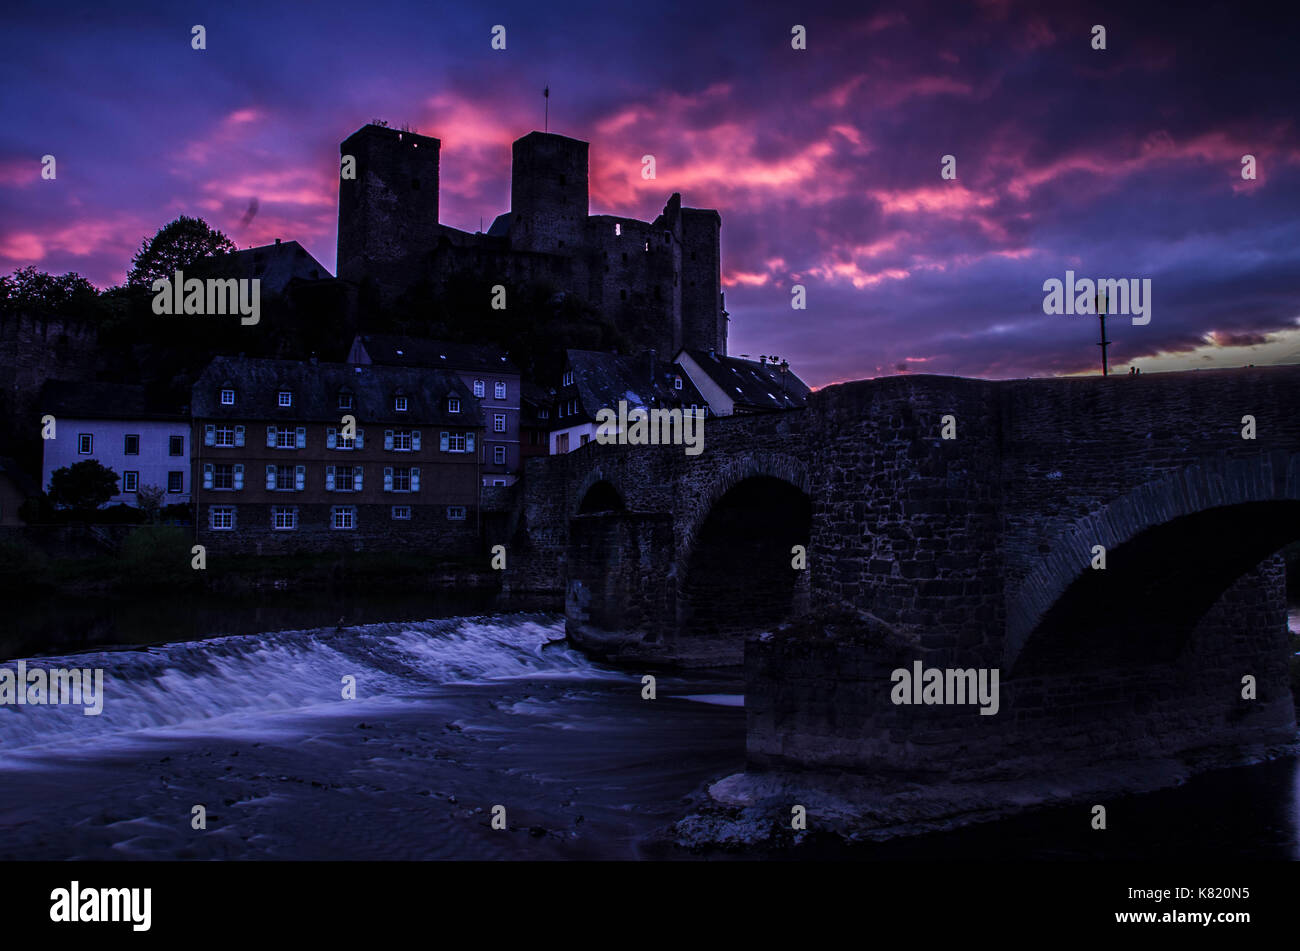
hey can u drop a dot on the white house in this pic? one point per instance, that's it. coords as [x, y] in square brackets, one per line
[113, 424]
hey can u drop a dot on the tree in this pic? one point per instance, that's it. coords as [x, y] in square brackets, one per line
[31, 291]
[83, 486]
[178, 245]
[149, 499]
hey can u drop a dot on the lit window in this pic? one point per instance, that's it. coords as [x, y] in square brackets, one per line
[344, 516]
[227, 397]
[286, 398]
[453, 405]
[399, 404]
[221, 517]
[284, 517]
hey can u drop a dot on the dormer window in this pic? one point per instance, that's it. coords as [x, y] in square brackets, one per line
[568, 378]
[286, 398]
[618, 229]
[227, 397]
[345, 401]
[399, 404]
[453, 404]
[479, 388]
[677, 383]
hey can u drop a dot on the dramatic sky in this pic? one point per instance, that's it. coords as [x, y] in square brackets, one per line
[824, 163]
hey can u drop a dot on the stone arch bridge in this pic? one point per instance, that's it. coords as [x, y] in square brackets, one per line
[968, 553]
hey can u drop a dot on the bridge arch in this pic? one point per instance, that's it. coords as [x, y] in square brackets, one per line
[600, 481]
[733, 566]
[1254, 501]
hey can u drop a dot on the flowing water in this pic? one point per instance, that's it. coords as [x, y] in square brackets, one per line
[453, 717]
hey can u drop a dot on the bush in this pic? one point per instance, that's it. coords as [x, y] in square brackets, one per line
[120, 514]
[157, 554]
[21, 565]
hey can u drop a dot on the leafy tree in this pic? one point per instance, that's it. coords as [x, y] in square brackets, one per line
[37, 292]
[83, 486]
[178, 245]
[149, 498]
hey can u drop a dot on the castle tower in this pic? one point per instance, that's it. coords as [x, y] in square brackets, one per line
[390, 210]
[704, 326]
[548, 193]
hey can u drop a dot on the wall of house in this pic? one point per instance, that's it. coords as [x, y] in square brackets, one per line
[153, 463]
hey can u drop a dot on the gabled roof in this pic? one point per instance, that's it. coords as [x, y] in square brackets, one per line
[399, 351]
[753, 385]
[603, 379]
[68, 399]
[275, 265]
[316, 387]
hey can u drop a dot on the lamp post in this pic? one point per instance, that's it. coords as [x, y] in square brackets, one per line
[1101, 313]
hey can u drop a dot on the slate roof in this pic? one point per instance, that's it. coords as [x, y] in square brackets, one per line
[316, 386]
[398, 351]
[753, 385]
[68, 399]
[603, 379]
[275, 265]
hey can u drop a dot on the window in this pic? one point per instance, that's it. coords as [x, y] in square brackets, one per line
[402, 441]
[84, 443]
[284, 480]
[499, 422]
[225, 436]
[499, 455]
[131, 445]
[175, 445]
[221, 518]
[286, 439]
[227, 397]
[618, 229]
[568, 378]
[456, 442]
[286, 398]
[401, 513]
[498, 481]
[562, 442]
[223, 476]
[175, 481]
[586, 438]
[130, 481]
[343, 516]
[456, 513]
[345, 401]
[346, 478]
[677, 383]
[402, 480]
[543, 414]
[284, 517]
[399, 404]
[500, 390]
[453, 404]
[478, 388]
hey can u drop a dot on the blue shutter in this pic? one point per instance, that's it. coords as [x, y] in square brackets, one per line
[442, 443]
[207, 475]
[239, 476]
[331, 438]
[388, 478]
[302, 437]
[270, 437]
[469, 442]
[361, 438]
[415, 440]
[270, 477]
[239, 435]
[356, 478]
[299, 478]
[329, 478]
[209, 435]
[388, 439]
[415, 479]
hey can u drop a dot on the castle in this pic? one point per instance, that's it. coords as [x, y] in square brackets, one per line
[659, 281]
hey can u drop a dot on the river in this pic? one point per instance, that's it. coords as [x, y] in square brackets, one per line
[454, 716]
